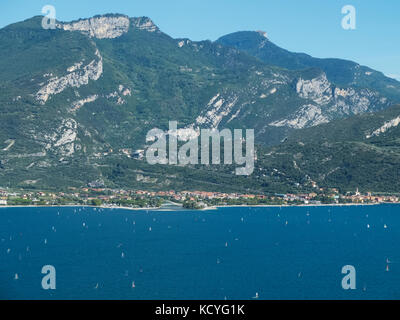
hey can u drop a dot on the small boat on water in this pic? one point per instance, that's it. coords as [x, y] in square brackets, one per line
[364, 288]
[133, 284]
[16, 277]
[256, 296]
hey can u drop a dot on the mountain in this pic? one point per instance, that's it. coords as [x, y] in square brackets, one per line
[362, 152]
[340, 72]
[76, 102]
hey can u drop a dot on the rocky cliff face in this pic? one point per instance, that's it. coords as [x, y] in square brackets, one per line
[99, 27]
[76, 77]
[145, 23]
[329, 102]
[385, 127]
[315, 101]
[108, 27]
[62, 140]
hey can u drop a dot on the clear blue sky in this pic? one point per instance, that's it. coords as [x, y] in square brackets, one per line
[311, 26]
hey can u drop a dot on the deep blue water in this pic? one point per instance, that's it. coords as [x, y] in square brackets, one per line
[281, 253]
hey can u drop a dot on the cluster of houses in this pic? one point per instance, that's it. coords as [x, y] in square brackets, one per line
[104, 194]
[194, 195]
[3, 197]
[333, 193]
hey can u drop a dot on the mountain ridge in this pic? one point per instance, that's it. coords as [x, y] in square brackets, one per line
[77, 101]
[262, 48]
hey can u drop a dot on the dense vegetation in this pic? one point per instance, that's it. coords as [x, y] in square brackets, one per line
[172, 82]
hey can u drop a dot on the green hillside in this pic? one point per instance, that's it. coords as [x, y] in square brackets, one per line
[77, 101]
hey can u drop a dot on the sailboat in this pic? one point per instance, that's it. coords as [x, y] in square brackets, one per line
[16, 276]
[364, 288]
[387, 268]
[133, 284]
[256, 296]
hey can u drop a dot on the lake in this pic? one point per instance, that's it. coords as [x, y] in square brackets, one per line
[228, 253]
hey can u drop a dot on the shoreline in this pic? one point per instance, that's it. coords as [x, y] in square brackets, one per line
[80, 206]
[202, 209]
[301, 205]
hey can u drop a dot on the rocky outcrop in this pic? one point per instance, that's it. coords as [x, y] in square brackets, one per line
[216, 109]
[307, 116]
[80, 103]
[386, 126]
[78, 77]
[144, 23]
[317, 89]
[103, 27]
[62, 141]
[327, 102]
